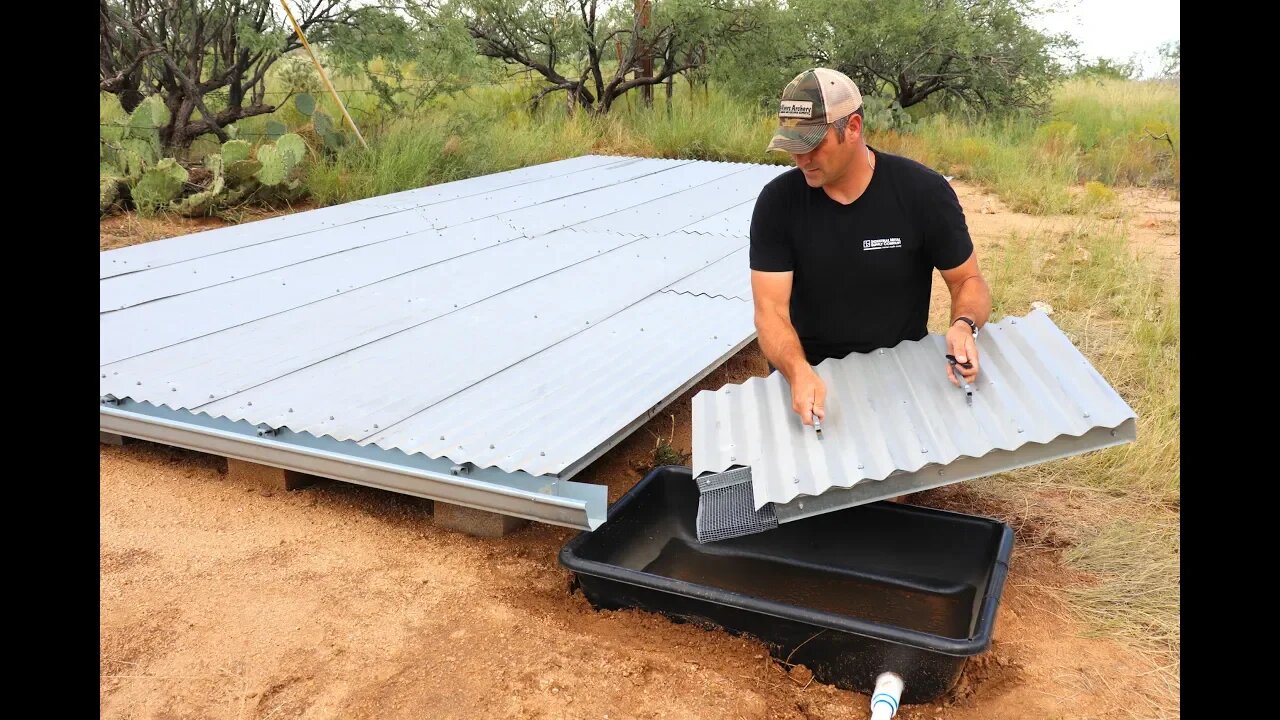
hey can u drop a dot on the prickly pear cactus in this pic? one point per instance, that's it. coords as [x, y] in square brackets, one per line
[234, 151]
[305, 104]
[202, 203]
[241, 170]
[151, 114]
[135, 156]
[275, 129]
[213, 162]
[159, 186]
[293, 148]
[273, 170]
[332, 137]
[108, 192]
[146, 120]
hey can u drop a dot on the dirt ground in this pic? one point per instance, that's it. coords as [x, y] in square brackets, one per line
[339, 601]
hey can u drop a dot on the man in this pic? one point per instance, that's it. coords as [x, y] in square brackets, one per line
[843, 247]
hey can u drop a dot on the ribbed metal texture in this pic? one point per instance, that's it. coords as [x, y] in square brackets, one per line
[894, 410]
[499, 321]
[727, 278]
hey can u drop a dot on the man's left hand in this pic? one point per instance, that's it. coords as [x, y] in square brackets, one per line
[960, 343]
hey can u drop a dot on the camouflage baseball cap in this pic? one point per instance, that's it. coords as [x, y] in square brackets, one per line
[812, 101]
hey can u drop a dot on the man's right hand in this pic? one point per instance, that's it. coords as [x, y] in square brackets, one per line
[809, 395]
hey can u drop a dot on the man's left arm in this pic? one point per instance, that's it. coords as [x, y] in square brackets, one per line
[951, 251]
[970, 298]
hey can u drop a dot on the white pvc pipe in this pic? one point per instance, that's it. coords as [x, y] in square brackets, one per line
[884, 700]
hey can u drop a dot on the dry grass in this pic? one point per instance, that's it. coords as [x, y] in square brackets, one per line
[1121, 526]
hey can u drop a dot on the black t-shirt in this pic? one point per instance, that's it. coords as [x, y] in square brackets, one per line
[863, 271]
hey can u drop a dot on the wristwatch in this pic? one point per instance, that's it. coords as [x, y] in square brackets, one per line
[972, 325]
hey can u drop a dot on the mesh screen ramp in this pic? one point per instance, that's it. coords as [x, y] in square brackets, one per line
[726, 509]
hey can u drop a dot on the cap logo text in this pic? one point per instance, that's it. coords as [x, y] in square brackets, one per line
[796, 108]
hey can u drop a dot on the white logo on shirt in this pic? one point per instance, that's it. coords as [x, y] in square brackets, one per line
[882, 244]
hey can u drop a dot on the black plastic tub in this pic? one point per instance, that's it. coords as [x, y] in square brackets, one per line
[849, 594]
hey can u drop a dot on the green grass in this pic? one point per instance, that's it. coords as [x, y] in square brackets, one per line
[1099, 132]
[1125, 319]
[1106, 134]
[1094, 136]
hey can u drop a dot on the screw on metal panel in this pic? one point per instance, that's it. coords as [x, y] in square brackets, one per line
[542, 454]
[801, 506]
[210, 396]
[859, 466]
[924, 450]
[139, 382]
[330, 417]
[490, 446]
[940, 472]
[1086, 414]
[1113, 433]
[1019, 429]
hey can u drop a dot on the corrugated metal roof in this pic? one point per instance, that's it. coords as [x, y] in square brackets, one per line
[211, 242]
[726, 278]
[893, 412]
[500, 322]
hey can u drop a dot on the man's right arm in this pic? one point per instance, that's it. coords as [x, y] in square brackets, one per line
[772, 271]
[771, 292]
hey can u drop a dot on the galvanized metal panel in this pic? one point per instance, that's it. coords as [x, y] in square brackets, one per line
[727, 278]
[252, 352]
[355, 392]
[432, 194]
[211, 242]
[606, 201]
[164, 322]
[509, 316]
[680, 210]
[378, 385]
[418, 223]
[183, 316]
[549, 500]
[893, 411]
[555, 411]
[962, 468]
[734, 221]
